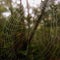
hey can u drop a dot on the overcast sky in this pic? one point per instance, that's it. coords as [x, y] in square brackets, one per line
[32, 3]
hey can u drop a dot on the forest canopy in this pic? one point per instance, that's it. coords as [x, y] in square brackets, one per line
[29, 33]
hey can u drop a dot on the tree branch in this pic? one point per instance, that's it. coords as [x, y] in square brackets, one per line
[38, 21]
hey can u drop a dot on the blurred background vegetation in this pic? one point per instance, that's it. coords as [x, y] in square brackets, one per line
[16, 28]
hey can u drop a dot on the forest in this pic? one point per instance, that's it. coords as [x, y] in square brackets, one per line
[29, 36]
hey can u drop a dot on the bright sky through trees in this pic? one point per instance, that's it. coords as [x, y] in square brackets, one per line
[32, 3]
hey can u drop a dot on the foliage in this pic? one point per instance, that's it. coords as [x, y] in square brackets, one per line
[14, 33]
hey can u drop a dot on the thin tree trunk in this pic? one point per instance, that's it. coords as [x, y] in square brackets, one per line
[36, 25]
